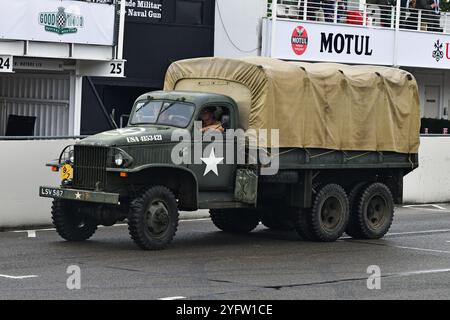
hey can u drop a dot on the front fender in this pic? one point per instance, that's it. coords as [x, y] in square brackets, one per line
[180, 180]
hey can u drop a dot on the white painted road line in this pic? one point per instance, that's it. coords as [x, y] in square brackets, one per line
[172, 298]
[426, 207]
[419, 249]
[31, 233]
[439, 207]
[26, 231]
[116, 225]
[413, 273]
[193, 220]
[417, 232]
[17, 277]
[423, 205]
[408, 233]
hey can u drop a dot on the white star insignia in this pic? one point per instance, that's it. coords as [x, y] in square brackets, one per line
[77, 195]
[211, 163]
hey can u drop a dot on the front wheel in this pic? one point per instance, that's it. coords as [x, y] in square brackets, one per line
[153, 218]
[72, 220]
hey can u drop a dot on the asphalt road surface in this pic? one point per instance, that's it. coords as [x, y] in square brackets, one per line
[204, 263]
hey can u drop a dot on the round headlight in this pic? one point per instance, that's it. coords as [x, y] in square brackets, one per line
[118, 159]
[71, 157]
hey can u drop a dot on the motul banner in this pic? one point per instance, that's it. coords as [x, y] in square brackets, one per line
[57, 21]
[306, 41]
[309, 41]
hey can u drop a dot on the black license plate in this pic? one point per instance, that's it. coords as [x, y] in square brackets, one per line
[51, 192]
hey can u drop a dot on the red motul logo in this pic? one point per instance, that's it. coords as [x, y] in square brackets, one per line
[299, 40]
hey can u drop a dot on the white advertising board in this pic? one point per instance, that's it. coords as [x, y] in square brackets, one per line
[309, 41]
[306, 41]
[57, 21]
[426, 50]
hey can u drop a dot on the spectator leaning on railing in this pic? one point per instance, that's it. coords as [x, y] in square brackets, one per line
[328, 10]
[410, 21]
[430, 14]
[385, 11]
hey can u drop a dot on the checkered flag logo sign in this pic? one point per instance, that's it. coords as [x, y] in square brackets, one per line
[61, 22]
[61, 18]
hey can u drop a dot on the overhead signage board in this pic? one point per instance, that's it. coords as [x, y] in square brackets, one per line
[111, 69]
[57, 21]
[6, 64]
[38, 64]
[308, 41]
[423, 49]
[305, 41]
[144, 10]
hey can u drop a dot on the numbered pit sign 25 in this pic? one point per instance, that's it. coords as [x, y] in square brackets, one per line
[6, 64]
[117, 68]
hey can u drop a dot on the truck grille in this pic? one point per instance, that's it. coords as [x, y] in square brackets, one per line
[89, 167]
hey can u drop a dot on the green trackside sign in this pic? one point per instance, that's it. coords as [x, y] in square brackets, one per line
[61, 22]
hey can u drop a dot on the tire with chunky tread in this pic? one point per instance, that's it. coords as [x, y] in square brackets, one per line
[380, 193]
[303, 227]
[336, 213]
[353, 202]
[70, 221]
[140, 230]
[302, 224]
[235, 220]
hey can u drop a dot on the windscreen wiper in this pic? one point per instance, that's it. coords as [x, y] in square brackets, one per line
[144, 105]
[164, 110]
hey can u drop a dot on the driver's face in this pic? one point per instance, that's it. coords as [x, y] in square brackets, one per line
[206, 115]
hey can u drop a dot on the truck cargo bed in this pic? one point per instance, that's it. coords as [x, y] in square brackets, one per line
[305, 158]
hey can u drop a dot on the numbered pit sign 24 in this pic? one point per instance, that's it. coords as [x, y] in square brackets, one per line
[6, 64]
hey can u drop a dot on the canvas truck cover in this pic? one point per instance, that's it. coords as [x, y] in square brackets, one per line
[314, 105]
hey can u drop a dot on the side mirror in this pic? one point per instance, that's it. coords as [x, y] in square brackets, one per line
[226, 122]
[123, 120]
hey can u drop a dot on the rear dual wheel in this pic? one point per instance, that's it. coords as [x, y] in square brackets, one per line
[327, 220]
[372, 211]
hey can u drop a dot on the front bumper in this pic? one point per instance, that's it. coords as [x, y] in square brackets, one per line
[79, 195]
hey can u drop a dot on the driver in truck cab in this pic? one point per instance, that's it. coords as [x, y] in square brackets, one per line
[209, 121]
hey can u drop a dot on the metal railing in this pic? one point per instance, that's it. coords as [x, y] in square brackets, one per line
[28, 138]
[100, 1]
[368, 15]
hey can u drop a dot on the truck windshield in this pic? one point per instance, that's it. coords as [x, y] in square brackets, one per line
[170, 113]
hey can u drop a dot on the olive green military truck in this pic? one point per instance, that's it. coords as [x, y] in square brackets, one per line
[321, 149]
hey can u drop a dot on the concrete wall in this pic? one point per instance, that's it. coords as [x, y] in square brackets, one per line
[238, 27]
[22, 171]
[431, 181]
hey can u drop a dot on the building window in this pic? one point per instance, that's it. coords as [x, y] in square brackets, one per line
[189, 12]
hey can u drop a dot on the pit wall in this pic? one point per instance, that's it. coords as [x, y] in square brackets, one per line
[22, 171]
[430, 183]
